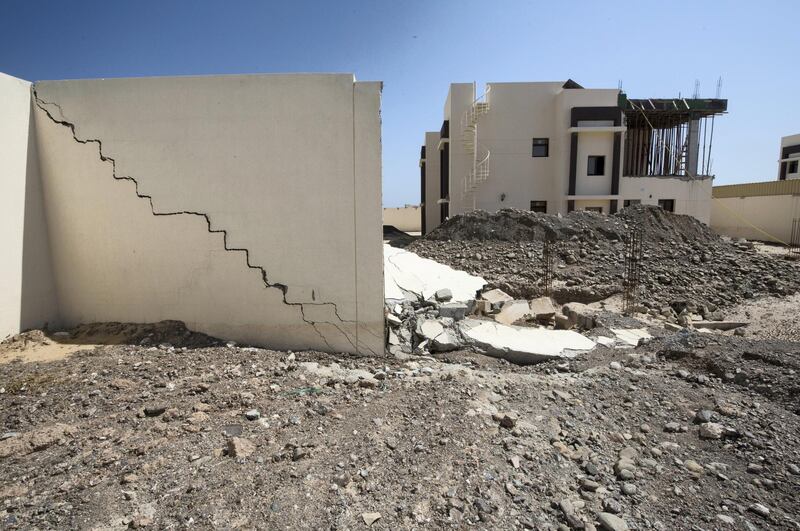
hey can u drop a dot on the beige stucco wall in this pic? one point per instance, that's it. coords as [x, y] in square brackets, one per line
[27, 296]
[407, 218]
[692, 196]
[772, 214]
[286, 167]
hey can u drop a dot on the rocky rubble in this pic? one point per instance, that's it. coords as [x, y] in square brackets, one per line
[685, 264]
[153, 437]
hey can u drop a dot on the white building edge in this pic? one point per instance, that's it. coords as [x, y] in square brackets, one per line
[556, 146]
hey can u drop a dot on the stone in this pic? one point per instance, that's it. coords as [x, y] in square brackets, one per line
[725, 519]
[240, 448]
[453, 310]
[672, 427]
[252, 414]
[154, 410]
[615, 365]
[759, 509]
[703, 416]
[542, 309]
[393, 320]
[442, 295]
[610, 522]
[628, 489]
[513, 311]
[496, 297]
[370, 518]
[693, 466]
[711, 430]
[506, 420]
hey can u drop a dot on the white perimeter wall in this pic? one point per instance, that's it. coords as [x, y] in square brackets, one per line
[408, 219]
[285, 168]
[773, 214]
[27, 297]
[692, 196]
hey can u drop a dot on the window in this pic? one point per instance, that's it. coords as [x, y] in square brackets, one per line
[629, 202]
[599, 210]
[541, 147]
[596, 165]
[792, 166]
[667, 204]
[539, 206]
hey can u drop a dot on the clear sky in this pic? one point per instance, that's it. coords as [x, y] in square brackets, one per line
[657, 49]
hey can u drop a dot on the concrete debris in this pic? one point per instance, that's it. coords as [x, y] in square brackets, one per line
[496, 297]
[513, 311]
[631, 337]
[524, 345]
[454, 310]
[718, 325]
[580, 315]
[408, 276]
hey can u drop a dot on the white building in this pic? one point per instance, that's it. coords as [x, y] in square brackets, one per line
[555, 147]
[789, 164]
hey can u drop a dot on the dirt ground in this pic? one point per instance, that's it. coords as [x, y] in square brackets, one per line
[689, 431]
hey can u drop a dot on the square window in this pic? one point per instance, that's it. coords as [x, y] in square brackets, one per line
[541, 147]
[539, 206]
[667, 204]
[629, 202]
[792, 166]
[596, 165]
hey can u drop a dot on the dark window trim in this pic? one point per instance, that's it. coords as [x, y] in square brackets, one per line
[534, 145]
[602, 159]
[537, 206]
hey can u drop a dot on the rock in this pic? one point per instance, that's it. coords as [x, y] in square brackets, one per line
[628, 489]
[759, 509]
[154, 410]
[393, 320]
[611, 505]
[506, 420]
[609, 522]
[572, 518]
[453, 310]
[513, 311]
[672, 427]
[711, 430]
[725, 519]
[240, 448]
[252, 414]
[542, 309]
[591, 486]
[703, 416]
[693, 466]
[755, 468]
[496, 297]
[442, 295]
[615, 365]
[371, 518]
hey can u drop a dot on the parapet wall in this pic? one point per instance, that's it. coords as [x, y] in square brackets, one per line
[246, 206]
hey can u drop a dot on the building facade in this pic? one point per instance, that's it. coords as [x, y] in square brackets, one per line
[789, 163]
[555, 147]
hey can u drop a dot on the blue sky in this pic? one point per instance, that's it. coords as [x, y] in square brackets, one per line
[657, 49]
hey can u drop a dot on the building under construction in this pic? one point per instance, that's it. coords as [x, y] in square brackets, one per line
[556, 147]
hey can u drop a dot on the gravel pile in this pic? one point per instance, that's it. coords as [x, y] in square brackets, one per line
[685, 263]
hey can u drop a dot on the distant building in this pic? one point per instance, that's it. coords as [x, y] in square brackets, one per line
[406, 218]
[789, 164]
[556, 147]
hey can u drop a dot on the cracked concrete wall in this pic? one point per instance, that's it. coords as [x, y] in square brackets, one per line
[27, 295]
[246, 206]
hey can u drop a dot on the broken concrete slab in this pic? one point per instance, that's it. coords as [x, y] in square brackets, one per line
[496, 297]
[438, 337]
[580, 315]
[542, 308]
[631, 336]
[513, 311]
[407, 275]
[524, 345]
[454, 310]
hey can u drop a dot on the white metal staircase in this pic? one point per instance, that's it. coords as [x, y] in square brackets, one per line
[469, 140]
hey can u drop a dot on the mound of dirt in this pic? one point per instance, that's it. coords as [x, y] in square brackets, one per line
[684, 262]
